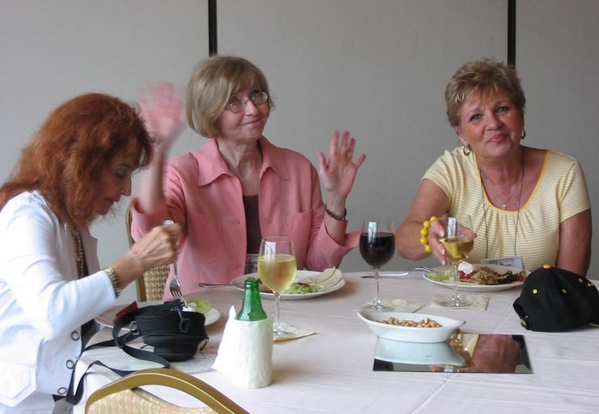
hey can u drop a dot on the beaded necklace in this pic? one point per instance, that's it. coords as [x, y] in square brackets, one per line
[79, 252]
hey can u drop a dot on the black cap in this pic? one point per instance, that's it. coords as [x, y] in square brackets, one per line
[555, 299]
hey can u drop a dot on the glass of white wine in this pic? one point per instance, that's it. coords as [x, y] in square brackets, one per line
[458, 242]
[277, 267]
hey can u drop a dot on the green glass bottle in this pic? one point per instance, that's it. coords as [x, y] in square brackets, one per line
[251, 309]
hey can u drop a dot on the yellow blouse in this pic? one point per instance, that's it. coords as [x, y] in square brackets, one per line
[533, 231]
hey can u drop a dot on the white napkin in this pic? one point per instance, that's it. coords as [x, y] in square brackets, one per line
[400, 305]
[291, 332]
[245, 352]
[477, 302]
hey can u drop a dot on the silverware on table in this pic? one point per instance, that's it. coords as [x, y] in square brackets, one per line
[425, 269]
[393, 275]
[387, 275]
[217, 285]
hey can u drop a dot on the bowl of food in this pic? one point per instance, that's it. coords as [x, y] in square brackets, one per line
[409, 327]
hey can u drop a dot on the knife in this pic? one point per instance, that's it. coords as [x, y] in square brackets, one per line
[386, 275]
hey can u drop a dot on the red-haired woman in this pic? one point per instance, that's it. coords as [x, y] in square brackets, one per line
[77, 166]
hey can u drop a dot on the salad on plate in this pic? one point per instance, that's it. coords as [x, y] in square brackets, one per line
[479, 275]
[307, 284]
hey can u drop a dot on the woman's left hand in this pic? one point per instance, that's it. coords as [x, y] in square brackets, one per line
[339, 171]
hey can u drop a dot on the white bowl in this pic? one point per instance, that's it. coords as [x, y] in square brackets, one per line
[373, 319]
[439, 353]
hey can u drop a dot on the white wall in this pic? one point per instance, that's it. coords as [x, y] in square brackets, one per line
[558, 61]
[377, 68]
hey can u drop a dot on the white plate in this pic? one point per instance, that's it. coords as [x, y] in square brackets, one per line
[301, 274]
[471, 287]
[107, 318]
[373, 319]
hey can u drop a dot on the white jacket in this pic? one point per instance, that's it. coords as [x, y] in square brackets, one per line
[42, 303]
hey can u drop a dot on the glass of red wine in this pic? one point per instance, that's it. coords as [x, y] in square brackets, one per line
[377, 247]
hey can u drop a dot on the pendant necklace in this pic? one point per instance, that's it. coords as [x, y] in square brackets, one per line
[504, 205]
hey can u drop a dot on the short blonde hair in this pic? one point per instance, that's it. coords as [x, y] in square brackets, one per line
[480, 77]
[212, 84]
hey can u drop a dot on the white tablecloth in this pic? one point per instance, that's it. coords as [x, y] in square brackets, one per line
[332, 371]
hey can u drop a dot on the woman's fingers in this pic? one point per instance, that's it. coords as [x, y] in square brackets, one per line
[159, 246]
[163, 109]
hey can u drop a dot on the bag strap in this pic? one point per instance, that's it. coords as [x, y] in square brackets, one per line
[74, 395]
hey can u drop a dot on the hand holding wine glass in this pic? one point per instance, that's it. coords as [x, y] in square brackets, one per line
[377, 246]
[277, 267]
[458, 241]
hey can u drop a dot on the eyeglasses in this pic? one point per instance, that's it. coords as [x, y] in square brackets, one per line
[236, 105]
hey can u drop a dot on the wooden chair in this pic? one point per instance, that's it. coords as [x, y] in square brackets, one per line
[150, 287]
[124, 397]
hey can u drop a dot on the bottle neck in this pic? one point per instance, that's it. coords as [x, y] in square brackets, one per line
[251, 309]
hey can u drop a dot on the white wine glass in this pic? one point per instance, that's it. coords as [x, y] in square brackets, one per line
[277, 267]
[377, 246]
[458, 241]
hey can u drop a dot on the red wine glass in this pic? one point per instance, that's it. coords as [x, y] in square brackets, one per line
[377, 246]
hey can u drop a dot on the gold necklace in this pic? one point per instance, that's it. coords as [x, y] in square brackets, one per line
[79, 252]
[492, 187]
[485, 220]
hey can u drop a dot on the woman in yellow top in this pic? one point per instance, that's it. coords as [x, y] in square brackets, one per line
[525, 202]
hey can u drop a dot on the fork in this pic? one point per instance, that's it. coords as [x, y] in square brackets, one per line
[425, 269]
[175, 285]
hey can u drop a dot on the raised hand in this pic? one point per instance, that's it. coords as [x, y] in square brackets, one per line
[339, 171]
[163, 110]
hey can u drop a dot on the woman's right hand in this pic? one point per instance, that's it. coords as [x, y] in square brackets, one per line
[435, 232]
[163, 110]
[158, 247]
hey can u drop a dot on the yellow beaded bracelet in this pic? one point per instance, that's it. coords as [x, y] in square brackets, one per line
[424, 233]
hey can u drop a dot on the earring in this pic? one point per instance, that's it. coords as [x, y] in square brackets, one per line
[523, 133]
[466, 150]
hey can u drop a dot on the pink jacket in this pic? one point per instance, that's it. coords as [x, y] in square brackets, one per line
[206, 199]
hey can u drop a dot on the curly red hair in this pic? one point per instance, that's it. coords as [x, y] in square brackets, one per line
[74, 145]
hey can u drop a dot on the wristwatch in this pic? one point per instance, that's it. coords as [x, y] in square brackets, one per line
[114, 279]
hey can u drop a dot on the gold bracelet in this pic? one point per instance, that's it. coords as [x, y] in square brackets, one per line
[114, 279]
[424, 233]
[335, 216]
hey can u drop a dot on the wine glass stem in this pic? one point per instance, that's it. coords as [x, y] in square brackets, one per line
[456, 280]
[377, 300]
[277, 328]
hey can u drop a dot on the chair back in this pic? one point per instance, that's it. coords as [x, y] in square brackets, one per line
[150, 287]
[124, 397]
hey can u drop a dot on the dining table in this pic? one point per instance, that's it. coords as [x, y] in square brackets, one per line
[332, 370]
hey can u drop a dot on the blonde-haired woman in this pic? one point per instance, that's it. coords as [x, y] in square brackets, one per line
[239, 186]
[528, 205]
